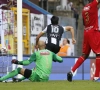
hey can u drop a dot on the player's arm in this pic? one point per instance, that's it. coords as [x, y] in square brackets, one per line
[98, 1]
[40, 34]
[71, 29]
[57, 58]
[25, 62]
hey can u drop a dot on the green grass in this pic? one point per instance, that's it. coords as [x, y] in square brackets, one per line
[51, 85]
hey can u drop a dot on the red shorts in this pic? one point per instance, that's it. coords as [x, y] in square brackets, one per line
[91, 41]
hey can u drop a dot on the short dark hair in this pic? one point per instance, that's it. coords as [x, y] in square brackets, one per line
[54, 20]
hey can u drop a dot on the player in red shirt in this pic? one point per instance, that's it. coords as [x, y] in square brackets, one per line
[91, 37]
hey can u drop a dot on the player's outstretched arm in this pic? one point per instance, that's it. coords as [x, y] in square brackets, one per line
[25, 62]
[57, 58]
[71, 29]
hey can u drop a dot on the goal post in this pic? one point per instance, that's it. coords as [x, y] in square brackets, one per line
[19, 32]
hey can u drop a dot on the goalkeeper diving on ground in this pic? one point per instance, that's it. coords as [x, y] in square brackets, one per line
[43, 59]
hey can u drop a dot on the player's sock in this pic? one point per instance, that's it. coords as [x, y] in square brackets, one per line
[96, 78]
[18, 79]
[22, 78]
[78, 63]
[97, 72]
[11, 74]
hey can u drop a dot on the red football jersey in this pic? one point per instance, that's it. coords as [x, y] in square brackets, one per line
[90, 16]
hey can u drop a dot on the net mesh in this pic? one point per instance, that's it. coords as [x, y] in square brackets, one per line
[7, 28]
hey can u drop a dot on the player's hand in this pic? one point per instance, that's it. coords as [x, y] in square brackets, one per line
[73, 40]
[14, 61]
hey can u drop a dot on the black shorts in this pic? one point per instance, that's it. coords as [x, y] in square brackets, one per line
[52, 47]
[27, 73]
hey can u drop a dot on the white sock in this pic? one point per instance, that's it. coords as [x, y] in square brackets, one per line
[96, 78]
[72, 72]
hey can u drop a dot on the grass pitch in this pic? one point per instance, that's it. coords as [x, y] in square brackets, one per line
[51, 85]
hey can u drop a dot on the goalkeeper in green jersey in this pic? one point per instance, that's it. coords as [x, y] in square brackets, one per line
[43, 59]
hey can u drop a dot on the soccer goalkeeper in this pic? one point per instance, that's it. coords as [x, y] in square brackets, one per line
[43, 59]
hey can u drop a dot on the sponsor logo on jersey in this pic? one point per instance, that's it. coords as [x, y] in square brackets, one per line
[44, 53]
[54, 35]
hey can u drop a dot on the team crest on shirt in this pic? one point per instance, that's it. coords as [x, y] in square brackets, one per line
[87, 8]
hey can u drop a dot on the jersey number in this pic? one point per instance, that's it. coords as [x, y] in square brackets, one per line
[55, 29]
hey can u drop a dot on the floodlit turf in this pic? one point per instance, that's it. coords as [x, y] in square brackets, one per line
[51, 85]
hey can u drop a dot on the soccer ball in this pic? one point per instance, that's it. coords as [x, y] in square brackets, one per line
[3, 50]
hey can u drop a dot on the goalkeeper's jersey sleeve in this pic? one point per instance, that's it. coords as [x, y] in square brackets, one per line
[57, 58]
[29, 60]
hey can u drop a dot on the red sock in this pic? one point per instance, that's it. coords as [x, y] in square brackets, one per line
[97, 72]
[78, 63]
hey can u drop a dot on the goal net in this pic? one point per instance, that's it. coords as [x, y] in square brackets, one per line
[7, 37]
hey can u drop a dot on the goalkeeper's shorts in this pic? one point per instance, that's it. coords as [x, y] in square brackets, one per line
[34, 77]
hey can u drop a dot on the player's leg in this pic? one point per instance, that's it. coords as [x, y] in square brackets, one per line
[11, 74]
[26, 74]
[97, 72]
[81, 59]
[95, 46]
[79, 62]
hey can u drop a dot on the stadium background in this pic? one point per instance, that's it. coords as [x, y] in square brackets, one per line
[36, 20]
